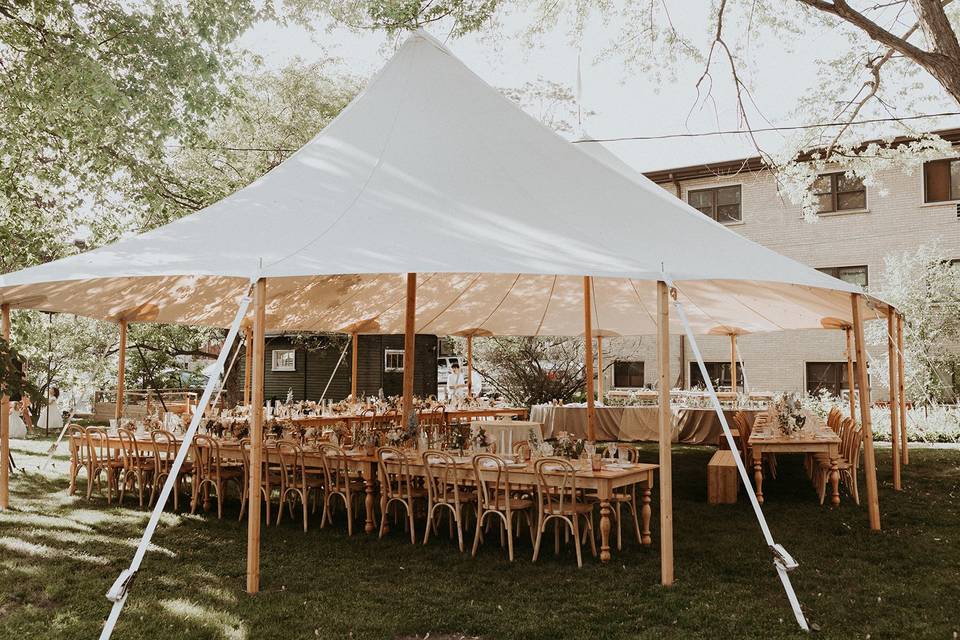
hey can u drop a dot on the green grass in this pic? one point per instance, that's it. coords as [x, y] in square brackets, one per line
[903, 582]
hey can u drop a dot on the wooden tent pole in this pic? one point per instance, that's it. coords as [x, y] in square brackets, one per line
[733, 362]
[256, 438]
[470, 366]
[851, 375]
[409, 353]
[588, 358]
[248, 363]
[354, 365]
[5, 424]
[600, 369]
[905, 450]
[665, 435]
[893, 403]
[121, 371]
[869, 457]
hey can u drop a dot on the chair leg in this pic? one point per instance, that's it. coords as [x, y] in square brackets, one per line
[476, 535]
[556, 536]
[430, 513]
[459, 518]
[304, 505]
[413, 530]
[509, 526]
[593, 542]
[536, 544]
[619, 527]
[576, 541]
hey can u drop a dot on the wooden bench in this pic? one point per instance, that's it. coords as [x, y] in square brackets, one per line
[722, 484]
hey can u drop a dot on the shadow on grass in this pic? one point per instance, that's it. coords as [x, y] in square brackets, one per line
[59, 554]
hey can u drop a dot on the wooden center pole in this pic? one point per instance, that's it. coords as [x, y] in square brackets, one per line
[409, 352]
[905, 451]
[600, 369]
[247, 363]
[588, 358]
[894, 404]
[354, 365]
[121, 371]
[5, 424]
[665, 435]
[256, 438]
[866, 424]
[470, 366]
[733, 362]
[851, 374]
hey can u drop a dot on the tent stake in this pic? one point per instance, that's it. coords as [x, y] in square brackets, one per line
[588, 358]
[256, 438]
[893, 402]
[5, 424]
[409, 352]
[866, 423]
[666, 437]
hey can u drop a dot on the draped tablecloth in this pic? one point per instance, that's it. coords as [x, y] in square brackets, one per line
[689, 426]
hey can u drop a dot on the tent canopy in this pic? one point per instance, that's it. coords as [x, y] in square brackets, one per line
[431, 170]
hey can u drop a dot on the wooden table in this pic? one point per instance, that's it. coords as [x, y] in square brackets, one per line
[603, 482]
[464, 415]
[768, 439]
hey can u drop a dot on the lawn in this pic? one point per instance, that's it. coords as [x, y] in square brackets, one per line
[58, 556]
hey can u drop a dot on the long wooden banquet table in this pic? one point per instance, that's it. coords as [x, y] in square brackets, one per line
[765, 437]
[462, 415]
[603, 482]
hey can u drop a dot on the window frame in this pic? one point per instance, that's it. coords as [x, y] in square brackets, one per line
[397, 353]
[275, 360]
[643, 374]
[843, 373]
[718, 385]
[715, 189]
[926, 185]
[835, 193]
[835, 272]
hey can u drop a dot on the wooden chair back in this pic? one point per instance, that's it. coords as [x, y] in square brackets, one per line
[99, 449]
[165, 446]
[742, 422]
[493, 482]
[130, 448]
[396, 481]
[336, 473]
[443, 484]
[292, 469]
[522, 450]
[625, 452]
[79, 445]
[206, 457]
[556, 485]
[834, 419]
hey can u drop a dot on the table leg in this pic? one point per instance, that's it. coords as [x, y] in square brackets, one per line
[645, 516]
[834, 481]
[758, 474]
[605, 531]
[368, 505]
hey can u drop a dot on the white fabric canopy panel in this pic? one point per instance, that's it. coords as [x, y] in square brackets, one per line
[431, 170]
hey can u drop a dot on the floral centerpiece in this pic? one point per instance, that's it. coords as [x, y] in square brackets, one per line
[568, 447]
[790, 414]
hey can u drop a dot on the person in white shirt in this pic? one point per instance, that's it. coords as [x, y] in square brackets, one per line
[18, 428]
[456, 383]
[50, 415]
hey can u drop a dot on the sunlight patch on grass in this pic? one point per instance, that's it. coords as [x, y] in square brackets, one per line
[224, 624]
[98, 539]
[17, 566]
[43, 521]
[43, 551]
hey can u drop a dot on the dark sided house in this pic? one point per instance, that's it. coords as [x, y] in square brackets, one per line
[288, 365]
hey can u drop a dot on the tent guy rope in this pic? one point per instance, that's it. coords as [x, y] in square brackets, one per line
[120, 590]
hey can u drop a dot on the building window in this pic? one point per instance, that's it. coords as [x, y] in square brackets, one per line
[830, 376]
[393, 360]
[840, 192]
[941, 180]
[627, 374]
[720, 203]
[854, 275]
[284, 360]
[719, 373]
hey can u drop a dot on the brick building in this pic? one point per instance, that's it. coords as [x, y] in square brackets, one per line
[858, 226]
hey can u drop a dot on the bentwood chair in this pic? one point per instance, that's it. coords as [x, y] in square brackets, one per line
[559, 500]
[338, 482]
[102, 460]
[79, 454]
[269, 478]
[848, 465]
[165, 446]
[295, 481]
[137, 465]
[444, 493]
[742, 422]
[497, 498]
[397, 487]
[211, 471]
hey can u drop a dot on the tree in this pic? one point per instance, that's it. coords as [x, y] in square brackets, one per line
[925, 287]
[531, 370]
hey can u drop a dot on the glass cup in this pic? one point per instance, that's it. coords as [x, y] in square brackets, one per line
[596, 462]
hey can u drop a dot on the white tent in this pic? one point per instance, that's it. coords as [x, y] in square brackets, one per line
[509, 228]
[432, 171]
